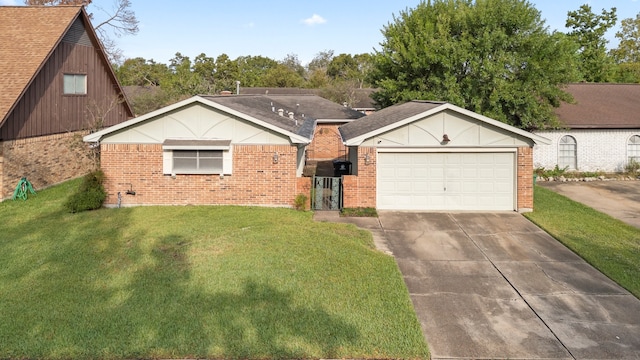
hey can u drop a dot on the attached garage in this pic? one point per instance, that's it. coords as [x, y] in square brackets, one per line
[446, 181]
[434, 156]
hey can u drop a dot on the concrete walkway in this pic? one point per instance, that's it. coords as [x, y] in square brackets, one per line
[495, 286]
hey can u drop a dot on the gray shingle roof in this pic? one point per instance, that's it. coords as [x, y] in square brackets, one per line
[305, 109]
[385, 117]
[612, 106]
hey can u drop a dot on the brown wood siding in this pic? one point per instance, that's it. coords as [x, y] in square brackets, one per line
[44, 110]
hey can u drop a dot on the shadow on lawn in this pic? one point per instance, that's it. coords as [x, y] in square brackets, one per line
[112, 296]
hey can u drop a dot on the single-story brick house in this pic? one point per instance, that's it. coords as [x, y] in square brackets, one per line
[240, 149]
[602, 130]
[250, 150]
[425, 155]
[56, 84]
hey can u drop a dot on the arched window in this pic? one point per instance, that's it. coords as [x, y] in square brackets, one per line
[633, 148]
[567, 153]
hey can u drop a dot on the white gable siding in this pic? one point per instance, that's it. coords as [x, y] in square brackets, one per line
[195, 122]
[597, 149]
[461, 129]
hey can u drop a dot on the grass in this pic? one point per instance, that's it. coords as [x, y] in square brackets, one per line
[359, 212]
[195, 282]
[606, 243]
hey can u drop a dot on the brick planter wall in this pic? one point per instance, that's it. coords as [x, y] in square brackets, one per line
[44, 161]
[256, 180]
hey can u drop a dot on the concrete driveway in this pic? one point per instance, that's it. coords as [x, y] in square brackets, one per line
[495, 286]
[619, 199]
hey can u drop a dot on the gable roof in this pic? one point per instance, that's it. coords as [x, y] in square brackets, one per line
[28, 36]
[393, 117]
[612, 106]
[261, 110]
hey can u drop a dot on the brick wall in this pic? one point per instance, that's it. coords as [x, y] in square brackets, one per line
[256, 180]
[327, 143]
[360, 190]
[44, 161]
[525, 179]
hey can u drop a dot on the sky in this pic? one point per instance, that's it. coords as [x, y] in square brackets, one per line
[277, 28]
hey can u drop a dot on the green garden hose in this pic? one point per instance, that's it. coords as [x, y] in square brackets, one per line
[24, 187]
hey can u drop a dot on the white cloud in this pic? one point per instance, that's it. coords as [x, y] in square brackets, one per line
[314, 20]
[8, 2]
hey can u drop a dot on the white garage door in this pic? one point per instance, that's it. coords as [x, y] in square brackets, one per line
[446, 181]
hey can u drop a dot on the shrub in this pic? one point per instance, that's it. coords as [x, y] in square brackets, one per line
[90, 194]
[632, 167]
[300, 202]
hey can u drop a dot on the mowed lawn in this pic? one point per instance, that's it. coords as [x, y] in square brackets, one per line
[195, 282]
[608, 244]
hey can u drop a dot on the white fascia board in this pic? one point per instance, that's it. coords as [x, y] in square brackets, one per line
[499, 124]
[97, 136]
[328, 121]
[356, 141]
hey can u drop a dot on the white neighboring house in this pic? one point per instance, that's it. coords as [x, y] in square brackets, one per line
[602, 130]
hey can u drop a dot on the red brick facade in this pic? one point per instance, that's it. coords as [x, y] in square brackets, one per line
[360, 190]
[525, 179]
[43, 160]
[327, 143]
[255, 179]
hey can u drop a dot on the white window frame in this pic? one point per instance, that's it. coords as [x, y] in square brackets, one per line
[173, 147]
[568, 153]
[633, 148]
[74, 84]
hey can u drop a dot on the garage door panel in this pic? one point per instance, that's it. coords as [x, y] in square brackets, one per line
[446, 181]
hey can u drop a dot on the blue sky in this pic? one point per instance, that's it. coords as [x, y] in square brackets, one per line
[275, 28]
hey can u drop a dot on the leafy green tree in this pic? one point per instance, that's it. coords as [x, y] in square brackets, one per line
[141, 72]
[588, 30]
[204, 69]
[251, 69]
[628, 50]
[282, 76]
[226, 73]
[494, 57]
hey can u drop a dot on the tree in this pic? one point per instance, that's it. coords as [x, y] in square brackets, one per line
[121, 20]
[493, 57]
[141, 72]
[251, 69]
[628, 50]
[588, 32]
[282, 76]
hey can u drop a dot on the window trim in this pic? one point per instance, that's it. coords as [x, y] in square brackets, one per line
[574, 157]
[171, 145]
[636, 149]
[75, 93]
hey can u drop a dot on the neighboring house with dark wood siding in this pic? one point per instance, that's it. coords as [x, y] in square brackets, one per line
[56, 82]
[601, 130]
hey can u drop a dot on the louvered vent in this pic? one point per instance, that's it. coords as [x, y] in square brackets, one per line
[77, 34]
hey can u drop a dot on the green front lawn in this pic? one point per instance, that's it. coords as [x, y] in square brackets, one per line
[606, 243]
[195, 281]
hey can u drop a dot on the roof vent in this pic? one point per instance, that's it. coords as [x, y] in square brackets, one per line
[291, 115]
[281, 112]
[225, 93]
